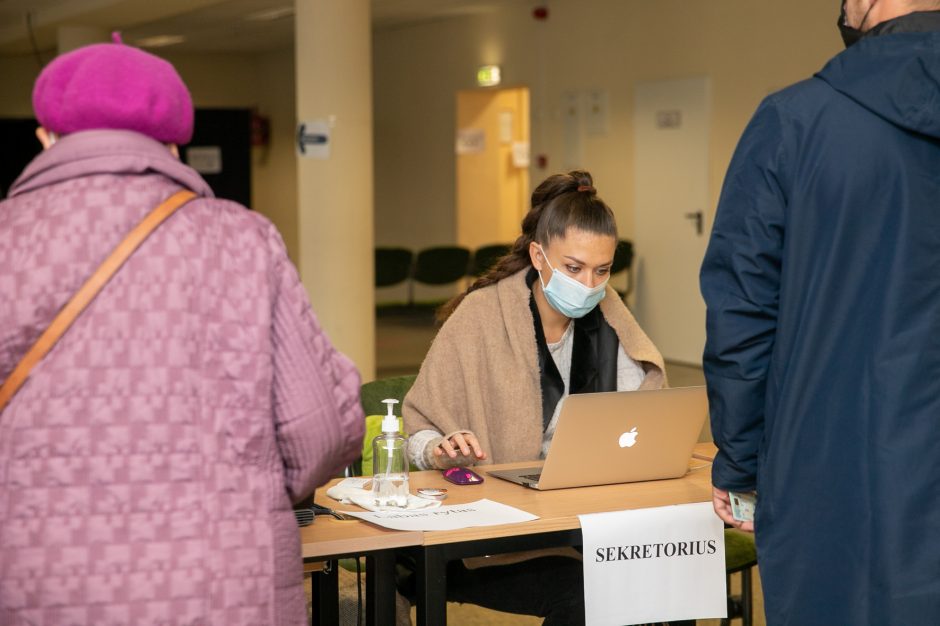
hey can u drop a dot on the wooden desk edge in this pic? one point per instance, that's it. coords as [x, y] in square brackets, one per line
[705, 451]
[319, 549]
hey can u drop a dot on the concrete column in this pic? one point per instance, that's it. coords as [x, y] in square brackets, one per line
[335, 204]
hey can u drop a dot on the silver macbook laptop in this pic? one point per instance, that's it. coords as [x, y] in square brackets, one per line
[619, 437]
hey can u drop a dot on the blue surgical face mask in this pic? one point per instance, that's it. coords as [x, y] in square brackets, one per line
[568, 296]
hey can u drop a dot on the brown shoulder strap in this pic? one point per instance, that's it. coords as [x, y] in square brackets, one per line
[83, 297]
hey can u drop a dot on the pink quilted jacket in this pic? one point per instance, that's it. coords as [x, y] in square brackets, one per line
[148, 466]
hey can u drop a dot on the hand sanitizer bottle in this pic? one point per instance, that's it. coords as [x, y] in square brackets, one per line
[389, 463]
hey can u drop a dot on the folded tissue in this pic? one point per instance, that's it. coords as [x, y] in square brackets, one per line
[353, 491]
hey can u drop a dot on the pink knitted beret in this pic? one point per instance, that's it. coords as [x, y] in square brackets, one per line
[111, 85]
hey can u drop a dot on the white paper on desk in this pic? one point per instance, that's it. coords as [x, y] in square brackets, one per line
[451, 517]
[654, 565]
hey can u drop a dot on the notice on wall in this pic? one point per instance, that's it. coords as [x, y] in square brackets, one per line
[520, 154]
[654, 565]
[596, 112]
[669, 120]
[470, 141]
[573, 156]
[505, 127]
[205, 159]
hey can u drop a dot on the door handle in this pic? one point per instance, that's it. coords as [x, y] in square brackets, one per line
[699, 217]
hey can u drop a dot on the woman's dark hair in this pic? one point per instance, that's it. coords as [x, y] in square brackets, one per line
[561, 202]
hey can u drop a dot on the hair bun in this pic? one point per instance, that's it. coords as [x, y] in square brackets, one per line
[582, 181]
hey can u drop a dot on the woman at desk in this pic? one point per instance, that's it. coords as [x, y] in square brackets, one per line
[541, 324]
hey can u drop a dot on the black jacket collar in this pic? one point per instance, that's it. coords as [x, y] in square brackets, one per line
[593, 357]
[917, 22]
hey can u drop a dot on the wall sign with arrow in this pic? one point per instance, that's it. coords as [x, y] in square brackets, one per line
[313, 139]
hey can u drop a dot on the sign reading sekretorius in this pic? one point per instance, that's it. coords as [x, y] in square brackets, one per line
[656, 550]
[654, 565]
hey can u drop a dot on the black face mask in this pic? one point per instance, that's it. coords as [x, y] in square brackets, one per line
[850, 34]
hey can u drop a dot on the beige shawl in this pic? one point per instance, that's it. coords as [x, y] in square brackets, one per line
[482, 373]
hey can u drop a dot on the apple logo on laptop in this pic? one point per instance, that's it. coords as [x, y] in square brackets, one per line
[628, 439]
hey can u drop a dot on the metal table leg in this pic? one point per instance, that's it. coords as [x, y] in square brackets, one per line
[431, 587]
[325, 596]
[380, 588]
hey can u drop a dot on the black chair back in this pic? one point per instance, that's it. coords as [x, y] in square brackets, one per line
[485, 257]
[392, 266]
[623, 257]
[623, 261]
[441, 265]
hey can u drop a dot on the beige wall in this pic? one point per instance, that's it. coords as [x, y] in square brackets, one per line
[747, 48]
[265, 82]
[18, 75]
[274, 169]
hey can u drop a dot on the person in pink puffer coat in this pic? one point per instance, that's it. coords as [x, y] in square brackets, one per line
[149, 465]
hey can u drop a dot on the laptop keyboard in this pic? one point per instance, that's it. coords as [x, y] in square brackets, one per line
[532, 477]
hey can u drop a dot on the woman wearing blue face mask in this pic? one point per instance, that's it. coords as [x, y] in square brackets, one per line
[541, 324]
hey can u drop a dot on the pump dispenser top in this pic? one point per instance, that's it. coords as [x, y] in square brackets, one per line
[390, 422]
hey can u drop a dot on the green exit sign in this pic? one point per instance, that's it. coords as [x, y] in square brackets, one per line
[488, 76]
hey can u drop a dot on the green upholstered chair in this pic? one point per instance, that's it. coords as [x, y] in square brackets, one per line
[740, 557]
[371, 395]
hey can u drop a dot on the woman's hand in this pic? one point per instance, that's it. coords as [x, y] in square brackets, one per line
[466, 444]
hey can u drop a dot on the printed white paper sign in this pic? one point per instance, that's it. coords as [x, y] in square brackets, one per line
[520, 154]
[205, 159]
[451, 517]
[470, 141]
[654, 565]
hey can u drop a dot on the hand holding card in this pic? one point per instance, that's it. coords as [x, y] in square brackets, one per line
[743, 505]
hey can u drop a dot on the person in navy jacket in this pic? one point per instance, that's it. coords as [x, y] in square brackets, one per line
[822, 282]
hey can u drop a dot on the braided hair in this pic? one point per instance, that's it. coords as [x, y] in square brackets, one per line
[560, 202]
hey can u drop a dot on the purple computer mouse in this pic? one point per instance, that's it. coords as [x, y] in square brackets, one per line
[462, 476]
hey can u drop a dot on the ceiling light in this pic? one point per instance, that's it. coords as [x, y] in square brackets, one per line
[160, 41]
[269, 15]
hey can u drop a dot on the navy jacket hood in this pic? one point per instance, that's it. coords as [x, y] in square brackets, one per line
[895, 74]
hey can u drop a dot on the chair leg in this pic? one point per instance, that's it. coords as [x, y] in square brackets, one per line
[747, 599]
[740, 605]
